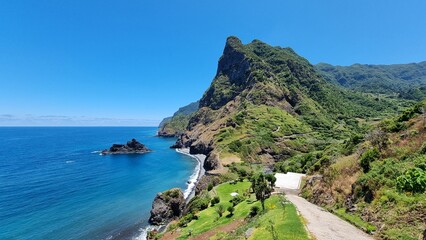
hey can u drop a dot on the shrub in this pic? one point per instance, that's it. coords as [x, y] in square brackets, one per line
[231, 210]
[236, 200]
[413, 180]
[183, 222]
[199, 202]
[254, 211]
[367, 157]
[215, 200]
[235, 146]
[210, 187]
[220, 210]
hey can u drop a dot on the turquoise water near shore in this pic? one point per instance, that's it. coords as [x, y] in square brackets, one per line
[54, 185]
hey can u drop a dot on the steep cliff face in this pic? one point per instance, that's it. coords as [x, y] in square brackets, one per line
[267, 104]
[167, 206]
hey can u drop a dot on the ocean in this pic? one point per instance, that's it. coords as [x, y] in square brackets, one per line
[55, 185]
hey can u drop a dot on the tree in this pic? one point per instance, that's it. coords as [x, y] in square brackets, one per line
[231, 210]
[263, 185]
[220, 210]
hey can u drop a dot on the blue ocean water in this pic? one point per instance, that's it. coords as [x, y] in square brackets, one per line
[54, 186]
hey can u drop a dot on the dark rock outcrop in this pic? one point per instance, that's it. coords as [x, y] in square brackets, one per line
[204, 182]
[130, 147]
[167, 206]
[212, 162]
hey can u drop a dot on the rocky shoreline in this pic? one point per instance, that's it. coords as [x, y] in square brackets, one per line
[169, 204]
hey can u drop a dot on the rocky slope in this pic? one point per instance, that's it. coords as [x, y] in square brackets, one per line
[267, 104]
[175, 125]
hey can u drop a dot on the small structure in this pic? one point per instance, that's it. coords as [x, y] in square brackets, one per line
[288, 180]
[234, 194]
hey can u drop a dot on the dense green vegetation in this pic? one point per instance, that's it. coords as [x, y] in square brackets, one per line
[381, 186]
[269, 108]
[400, 80]
[282, 108]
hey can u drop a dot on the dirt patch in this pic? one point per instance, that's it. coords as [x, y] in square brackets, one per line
[206, 235]
[230, 159]
[225, 228]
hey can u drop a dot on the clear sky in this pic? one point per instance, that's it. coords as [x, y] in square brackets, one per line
[80, 62]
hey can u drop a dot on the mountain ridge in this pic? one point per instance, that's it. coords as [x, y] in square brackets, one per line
[257, 78]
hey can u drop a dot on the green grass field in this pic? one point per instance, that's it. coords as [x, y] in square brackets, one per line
[209, 219]
[284, 217]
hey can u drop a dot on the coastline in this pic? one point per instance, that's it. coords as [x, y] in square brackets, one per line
[198, 172]
[189, 192]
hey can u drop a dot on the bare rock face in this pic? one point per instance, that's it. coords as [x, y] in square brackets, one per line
[132, 146]
[204, 182]
[167, 206]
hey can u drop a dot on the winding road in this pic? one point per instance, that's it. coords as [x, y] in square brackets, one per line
[322, 224]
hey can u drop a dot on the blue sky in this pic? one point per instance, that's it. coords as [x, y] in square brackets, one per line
[135, 62]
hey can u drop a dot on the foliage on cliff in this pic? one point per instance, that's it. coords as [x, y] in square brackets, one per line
[175, 125]
[383, 181]
[267, 104]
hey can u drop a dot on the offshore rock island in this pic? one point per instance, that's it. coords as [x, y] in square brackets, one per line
[131, 147]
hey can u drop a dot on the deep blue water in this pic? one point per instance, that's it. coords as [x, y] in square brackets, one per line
[52, 185]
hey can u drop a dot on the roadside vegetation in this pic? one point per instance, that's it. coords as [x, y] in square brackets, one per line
[380, 186]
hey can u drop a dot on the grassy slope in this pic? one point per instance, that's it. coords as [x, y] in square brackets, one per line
[286, 222]
[284, 216]
[208, 218]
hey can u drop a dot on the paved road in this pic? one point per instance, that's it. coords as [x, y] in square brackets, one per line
[324, 225]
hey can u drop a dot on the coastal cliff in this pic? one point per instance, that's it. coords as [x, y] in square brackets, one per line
[266, 104]
[175, 125]
[167, 206]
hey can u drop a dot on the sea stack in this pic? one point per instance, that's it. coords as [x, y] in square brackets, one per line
[167, 206]
[131, 147]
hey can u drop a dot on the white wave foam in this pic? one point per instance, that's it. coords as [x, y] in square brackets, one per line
[96, 152]
[191, 185]
[145, 231]
[194, 177]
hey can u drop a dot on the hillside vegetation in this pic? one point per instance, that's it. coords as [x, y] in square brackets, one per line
[268, 104]
[351, 129]
[399, 80]
[381, 185]
[279, 220]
